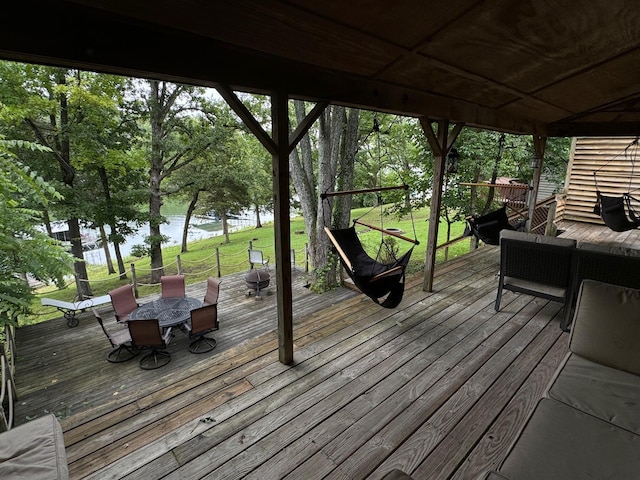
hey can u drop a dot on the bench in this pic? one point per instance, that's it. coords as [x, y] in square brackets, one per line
[70, 309]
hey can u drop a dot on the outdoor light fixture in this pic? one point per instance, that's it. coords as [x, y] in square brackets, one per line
[452, 161]
[534, 162]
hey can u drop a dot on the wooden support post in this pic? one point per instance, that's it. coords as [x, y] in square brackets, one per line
[279, 145]
[539, 146]
[440, 144]
[282, 223]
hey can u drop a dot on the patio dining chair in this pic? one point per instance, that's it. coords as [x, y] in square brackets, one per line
[213, 291]
[123, 301]
[146, 335]
[122, 348]
[203, 320]
[172, 286]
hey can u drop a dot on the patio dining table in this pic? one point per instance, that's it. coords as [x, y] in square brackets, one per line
[169, 311]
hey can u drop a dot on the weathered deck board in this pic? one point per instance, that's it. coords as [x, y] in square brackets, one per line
[438, 387]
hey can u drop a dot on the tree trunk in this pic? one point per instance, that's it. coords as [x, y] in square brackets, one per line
[225, 227]
[348, 150]
[187, 220]
[155, 178]
[258, 221]
[336, 140]
[105, 243]
[105, 246]
[116, 248]
[494, 174]
[68, 176]
[79, 266]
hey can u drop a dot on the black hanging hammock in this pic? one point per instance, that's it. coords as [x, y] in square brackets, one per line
[617, 212]
[382, 282]
[487, 227]
[613, 211]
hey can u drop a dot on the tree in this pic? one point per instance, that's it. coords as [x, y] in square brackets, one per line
[170, 110]
[336, 146]
[24, 250]
[54, 105]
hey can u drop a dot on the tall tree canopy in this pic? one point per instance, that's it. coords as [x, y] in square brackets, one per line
[24, 250]
[72, 113]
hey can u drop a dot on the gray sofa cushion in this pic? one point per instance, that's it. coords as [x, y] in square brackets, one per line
[604, 392]
[534, 287]
[607, 325]
[560, 442]
[33, 451]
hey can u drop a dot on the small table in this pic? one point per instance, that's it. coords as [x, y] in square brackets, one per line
[170, 311]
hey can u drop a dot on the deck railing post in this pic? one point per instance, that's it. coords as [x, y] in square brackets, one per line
[134, 280]
[306, 257]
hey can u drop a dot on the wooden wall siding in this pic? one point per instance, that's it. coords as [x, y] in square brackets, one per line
[606, 155]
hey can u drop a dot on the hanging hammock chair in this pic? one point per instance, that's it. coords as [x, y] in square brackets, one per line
[617, 212]
[382, 282]
[487, 228]
[613, 211]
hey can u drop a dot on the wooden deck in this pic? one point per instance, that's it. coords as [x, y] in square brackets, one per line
[438, 387]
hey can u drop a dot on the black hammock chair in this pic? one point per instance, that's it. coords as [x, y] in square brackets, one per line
[487, 227]
[382, 282]
[613, 211]
[617, 212]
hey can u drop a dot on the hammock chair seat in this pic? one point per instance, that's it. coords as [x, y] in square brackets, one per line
[373, 278]
[487, 227]
[613, 214]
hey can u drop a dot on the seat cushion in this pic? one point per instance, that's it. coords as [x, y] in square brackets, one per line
[534, 288]
[560, 442]
[33, 451]
[604, 392]
[607, 325]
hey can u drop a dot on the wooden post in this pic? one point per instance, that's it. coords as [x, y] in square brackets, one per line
[440, 144]
[539, 146]
[282, 225]
[279, 144]
[179, 263]
[134, 280]
[306, 257]
[218, 262]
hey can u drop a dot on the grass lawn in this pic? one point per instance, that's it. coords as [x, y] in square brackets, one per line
[200, 261]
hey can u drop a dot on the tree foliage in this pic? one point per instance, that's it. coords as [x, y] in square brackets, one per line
[24, 250]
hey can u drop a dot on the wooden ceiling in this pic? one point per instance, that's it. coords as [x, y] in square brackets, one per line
[543, 67]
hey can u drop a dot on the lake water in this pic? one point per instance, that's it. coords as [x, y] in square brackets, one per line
[173, 229]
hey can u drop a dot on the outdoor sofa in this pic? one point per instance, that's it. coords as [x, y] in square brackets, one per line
[34, 451]
[554, 268]
[587, 423]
